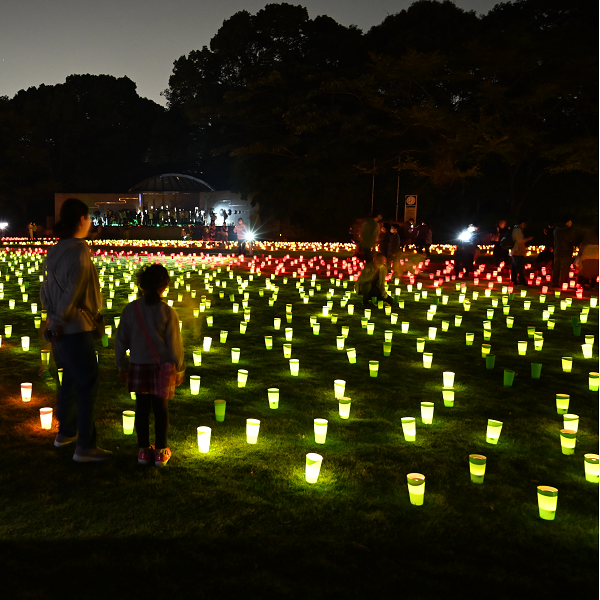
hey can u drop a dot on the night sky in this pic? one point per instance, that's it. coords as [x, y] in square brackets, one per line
[44, 42]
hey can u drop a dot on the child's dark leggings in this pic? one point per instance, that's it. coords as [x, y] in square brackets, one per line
[144, 403]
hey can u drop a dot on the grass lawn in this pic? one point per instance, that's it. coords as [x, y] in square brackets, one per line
[241, 521]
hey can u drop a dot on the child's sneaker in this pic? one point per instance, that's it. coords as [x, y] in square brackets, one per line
[146, 455]
[161, 457]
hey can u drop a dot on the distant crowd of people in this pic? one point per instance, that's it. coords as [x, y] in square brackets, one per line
[163, 217]
[382, 243]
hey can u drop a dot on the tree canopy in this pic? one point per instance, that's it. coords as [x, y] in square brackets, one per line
[492, 115]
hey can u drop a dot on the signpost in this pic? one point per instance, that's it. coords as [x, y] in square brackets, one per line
[410, 208]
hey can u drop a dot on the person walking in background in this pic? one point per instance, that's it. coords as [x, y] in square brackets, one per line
[500, 235]
[369, 235]
[149, 329]
[395, 246]
[241, 231]
[384, 239]
[518, 253]
[30, 229]
[423, 238]
[564, 241]
[371, 283]
[587, 258]
[71, 296]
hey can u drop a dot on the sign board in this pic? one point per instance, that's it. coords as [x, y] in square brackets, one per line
[410, 208]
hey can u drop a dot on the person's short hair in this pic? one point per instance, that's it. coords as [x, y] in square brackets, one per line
[71, 212]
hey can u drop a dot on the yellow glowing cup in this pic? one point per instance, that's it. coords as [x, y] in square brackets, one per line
[409, 428]
[320, 427]
[416, 488]
[242, 378]
[294, 367]
[344, 407]
[477, 463]
[427, 409]
[562, 403]
[252, 428]
[493, 431]
[339, 387]
[568, 439]
[590, 464]
[26, 389]
[128, 421]
[547, 501]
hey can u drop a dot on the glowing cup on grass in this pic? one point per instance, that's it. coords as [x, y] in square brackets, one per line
[373, 367]
[46, 417]
[568, 439]
[206, 344]
[477, 463]
[252, 428]
[351, 352]
[448, 396]
[316, 328]
[242, 378]
[493, 431]
[404, 327]
[547, 501]
[416, 488]
[420, 344]
[26, 389]
[594, 381]
[268, 342]
[510, 322]
[536, 370]
[562, 403]
[289, 334]
[571, 422]
[448, 379]
[235, 355]
[128, 421]
[344, 407]
[457, 320]
[427, 409]
[469, 339]
[590, 465]
[194, 385]
[287, 351]
[273, 395]
[320, 427]
[587, 350]
[445, 325]
[203, 434]
[25, 343]
[490, 361]
[370, 328]
[60, 376]
[427, 360]
[313, 467]
[277, 323]
[431, 333]
[409, 428]
[485, 349]
[220, 406]
[294, 367]
[339, 387]
[522, 347]
[567, 364]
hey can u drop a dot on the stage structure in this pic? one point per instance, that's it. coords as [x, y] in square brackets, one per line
[172, 200]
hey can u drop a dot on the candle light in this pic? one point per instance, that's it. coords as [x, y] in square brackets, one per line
[591, 469]
[373, 368]
[493, 431]
[203, 434]
[416, 488]
[427, 409]
[477, 464]
[593, 381]
[568, 439]
[320, 428]
[242, 378]
[313, 467]
[351, 352]
[128, 421]
[194, 385]
[252, 429]
[344, 407]
[46, 418]
[547, 500]
[294, 367]
[26, 389]
[206, 344]
[562, 403]
[409, 428]
[427, 360]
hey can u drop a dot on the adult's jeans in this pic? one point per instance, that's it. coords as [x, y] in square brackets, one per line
[76, 397]
[242, 247]
[517, 270]
[560, 269]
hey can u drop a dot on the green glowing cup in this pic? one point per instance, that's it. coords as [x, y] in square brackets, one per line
[590, 465]
[235, 355]
[477, 464]
[568, 439]
[273, 394]
[320, 427]
[344, 407]
[242, 378]
[547, 501]
[416, 488]
[448, 396]
[509, 377]
[485, 349]
[128, 421]
[427, 360]
[427, 409]
[373, 367]
[220, 406]
[420, 344]
[594, 381]
[409, 428]
[223, 337]
[490, 361]
[567, 364]
[387, 348]
[562, 403]
[287, 351]
[457, 320]
[493, 431]
[536, 370]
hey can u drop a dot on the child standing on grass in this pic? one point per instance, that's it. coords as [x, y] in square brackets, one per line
[149, 328]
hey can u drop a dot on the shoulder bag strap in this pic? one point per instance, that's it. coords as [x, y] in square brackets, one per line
[146, 334]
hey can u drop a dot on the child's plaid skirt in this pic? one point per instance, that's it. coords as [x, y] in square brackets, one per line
[143, 379]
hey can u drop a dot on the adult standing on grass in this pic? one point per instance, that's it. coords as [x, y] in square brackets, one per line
[518, 253]
[369, 235]
[149, 329]
[241, 231]
[371, 283]
[71, 296]
[564, 241]
[500, 233]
